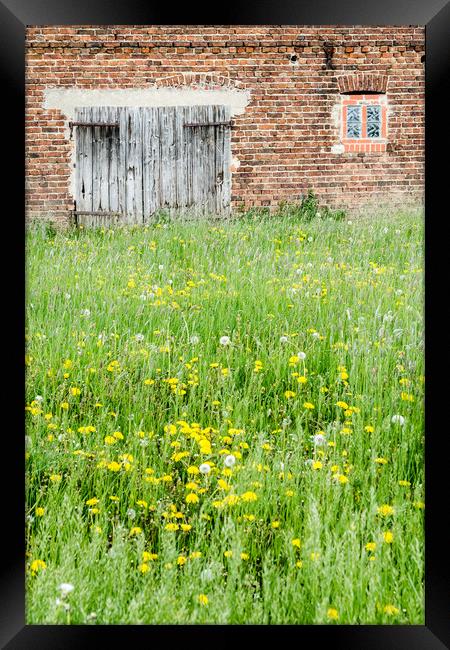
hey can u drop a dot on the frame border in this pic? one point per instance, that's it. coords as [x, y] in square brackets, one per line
[15, 15]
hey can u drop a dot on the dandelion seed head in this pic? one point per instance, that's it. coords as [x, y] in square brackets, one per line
[319, 439]
[230, 460]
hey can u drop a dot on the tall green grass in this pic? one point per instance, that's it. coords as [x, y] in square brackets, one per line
[280, 537]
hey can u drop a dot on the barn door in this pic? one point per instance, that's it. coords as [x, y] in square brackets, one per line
[175, 159]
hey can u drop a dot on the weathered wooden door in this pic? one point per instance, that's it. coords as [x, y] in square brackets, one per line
[150, 159]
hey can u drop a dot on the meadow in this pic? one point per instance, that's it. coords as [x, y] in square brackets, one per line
[225, 422]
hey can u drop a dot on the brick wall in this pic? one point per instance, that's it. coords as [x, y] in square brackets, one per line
[286, 139]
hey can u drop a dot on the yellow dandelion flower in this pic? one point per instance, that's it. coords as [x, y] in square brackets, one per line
[135, 531]
[149, 557]
[390, 610]
[203, 599]
[192, 498]
[308, 405]
[385, 510]
[37, 565]
[370, 546]
[249, 496]
[388, 537]
[332, 614]
[296, 542]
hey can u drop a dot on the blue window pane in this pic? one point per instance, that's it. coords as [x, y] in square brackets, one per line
[373, 121]
[353, 121]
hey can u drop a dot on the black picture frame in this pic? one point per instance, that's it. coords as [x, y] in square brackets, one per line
[15, 15]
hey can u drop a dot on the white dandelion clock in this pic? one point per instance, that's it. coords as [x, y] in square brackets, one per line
[224, 340]
[230, 460]
[398, 419]
[65, 588]
[206, 575]
[319, 439]
[283, 339]
[205, 468]
[301, 355]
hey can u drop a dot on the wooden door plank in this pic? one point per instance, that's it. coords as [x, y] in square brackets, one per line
[113, 180]
[180, 163]
[84, 161]
[105, 159]
[96, 164]
[226, 186]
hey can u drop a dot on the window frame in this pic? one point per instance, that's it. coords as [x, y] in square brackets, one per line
[364, 143]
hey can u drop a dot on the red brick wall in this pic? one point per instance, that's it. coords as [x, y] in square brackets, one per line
[283, 140]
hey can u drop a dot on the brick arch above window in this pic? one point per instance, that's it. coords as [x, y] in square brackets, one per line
[362, 83]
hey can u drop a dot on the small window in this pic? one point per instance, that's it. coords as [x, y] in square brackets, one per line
[364, 123]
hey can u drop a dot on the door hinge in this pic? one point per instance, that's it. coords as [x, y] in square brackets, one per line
[72, 124]
[229, 124]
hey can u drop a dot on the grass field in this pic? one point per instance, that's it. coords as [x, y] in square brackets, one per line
[225, 423]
